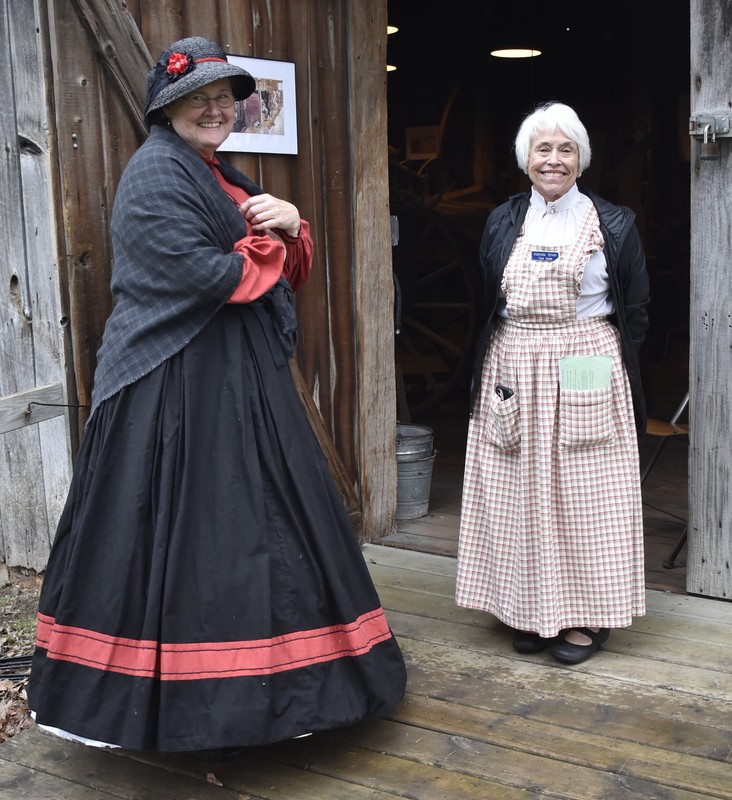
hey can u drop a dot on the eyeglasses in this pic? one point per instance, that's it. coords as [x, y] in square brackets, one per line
[223, 100]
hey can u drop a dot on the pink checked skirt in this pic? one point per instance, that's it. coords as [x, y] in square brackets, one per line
[551, 531]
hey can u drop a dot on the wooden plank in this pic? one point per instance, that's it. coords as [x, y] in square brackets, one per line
[256, 773]
[393, 774]
[436, 524]
[25, 529]
[626, 750]
[415, 541]
[656, 718]
[688, 684]
[409, 560]
[374, 284]
[163, 23]
[79, 765]
[31, 406]
[528, 756]
[17, 783]
[688, 606]
[328, 358]
[86, 184]
[709, 570]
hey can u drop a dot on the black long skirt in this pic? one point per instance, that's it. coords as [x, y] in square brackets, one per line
[205, 588]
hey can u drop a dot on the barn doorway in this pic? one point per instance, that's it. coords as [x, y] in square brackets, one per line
[453, 111]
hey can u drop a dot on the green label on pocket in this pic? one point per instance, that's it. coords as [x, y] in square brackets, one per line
[585, 372]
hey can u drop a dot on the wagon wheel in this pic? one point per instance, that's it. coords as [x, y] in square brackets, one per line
[438, 308]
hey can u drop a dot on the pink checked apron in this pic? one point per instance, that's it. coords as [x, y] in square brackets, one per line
[551, 531]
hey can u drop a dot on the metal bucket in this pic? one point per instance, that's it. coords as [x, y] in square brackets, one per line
[415, 456]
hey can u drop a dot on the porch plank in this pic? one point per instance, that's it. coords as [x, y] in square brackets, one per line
[262, 773]
[69, 762]
[669, 727]
[540, 689]
[571, 752]
[343, 756]
[18, 782]
[468, 745]
[615, 663]
[435, 545]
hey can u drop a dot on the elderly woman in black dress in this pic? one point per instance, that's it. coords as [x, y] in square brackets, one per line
[205, 589]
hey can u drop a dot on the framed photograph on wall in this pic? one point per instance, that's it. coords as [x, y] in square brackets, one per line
[266, 122]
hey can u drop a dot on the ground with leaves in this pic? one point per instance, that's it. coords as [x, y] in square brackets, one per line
[19, 592]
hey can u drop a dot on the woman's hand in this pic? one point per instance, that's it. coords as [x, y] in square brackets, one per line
[264, 213]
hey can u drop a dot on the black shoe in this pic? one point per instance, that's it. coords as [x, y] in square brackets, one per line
[527, 642]
[569, 653]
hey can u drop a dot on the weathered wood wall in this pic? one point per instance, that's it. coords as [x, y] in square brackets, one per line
[709, 569]
[34, 448]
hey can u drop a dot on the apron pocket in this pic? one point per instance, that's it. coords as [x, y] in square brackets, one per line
[503, 423]
[585, 417]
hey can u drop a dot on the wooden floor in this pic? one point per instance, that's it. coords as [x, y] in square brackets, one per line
[648, 717]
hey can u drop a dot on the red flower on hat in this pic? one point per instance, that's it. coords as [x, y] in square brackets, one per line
[178, 63]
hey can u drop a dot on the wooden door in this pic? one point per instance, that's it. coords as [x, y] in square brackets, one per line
[709, 570]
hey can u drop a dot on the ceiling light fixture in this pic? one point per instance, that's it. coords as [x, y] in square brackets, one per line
[391, 29]
[515, 52]
[390, 68]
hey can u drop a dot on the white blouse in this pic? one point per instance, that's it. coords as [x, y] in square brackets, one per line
[558, 223]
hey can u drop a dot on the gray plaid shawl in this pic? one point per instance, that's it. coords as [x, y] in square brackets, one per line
[173, 229]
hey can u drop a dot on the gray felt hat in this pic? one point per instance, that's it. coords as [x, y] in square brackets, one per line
[187, 65]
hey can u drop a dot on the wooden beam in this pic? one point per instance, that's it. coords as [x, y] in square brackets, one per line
[709, 566]
[32, 406]
[374, 286]
[121, 49]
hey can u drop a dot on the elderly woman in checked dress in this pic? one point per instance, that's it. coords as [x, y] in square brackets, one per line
[205, 590]
[551, 534]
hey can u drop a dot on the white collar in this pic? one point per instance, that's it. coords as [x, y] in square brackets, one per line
[570, 198]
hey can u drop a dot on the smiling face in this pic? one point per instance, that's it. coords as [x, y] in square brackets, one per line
[206, 128]
[553, 164]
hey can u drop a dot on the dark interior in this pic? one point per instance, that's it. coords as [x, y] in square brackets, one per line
[453, 112]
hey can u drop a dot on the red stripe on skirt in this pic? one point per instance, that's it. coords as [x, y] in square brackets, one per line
[197, 661]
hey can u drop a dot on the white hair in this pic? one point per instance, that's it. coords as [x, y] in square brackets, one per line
[552, 117]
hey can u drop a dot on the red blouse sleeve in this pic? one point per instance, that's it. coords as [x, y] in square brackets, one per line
[261, 268]
[299, 255]
[264, 257]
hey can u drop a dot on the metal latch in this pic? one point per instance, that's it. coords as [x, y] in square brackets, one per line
[708, 128]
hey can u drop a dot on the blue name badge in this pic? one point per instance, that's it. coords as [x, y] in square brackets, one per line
[544, 255]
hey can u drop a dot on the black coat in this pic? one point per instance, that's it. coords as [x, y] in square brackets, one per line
[626, 265]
